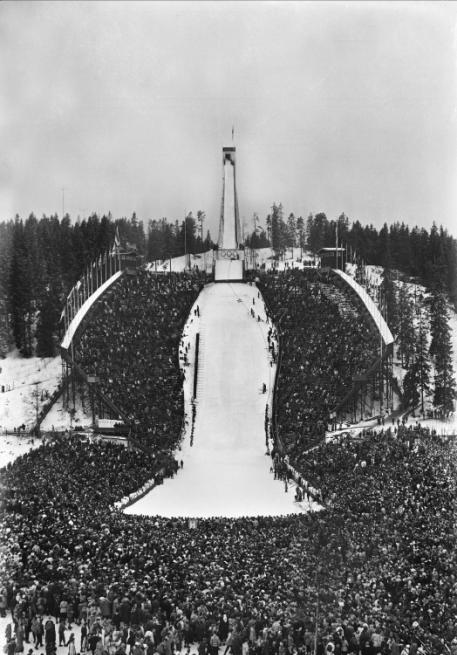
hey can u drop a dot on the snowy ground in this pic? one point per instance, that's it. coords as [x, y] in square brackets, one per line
[12, 446]
[60, 419]
[22, 378]
[226, 471]
[203, 262]
[292, 258]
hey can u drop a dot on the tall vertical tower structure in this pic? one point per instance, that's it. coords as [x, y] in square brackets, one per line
[229, 262]
[229, 225]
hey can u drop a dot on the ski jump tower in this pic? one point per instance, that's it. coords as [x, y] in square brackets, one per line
[230, 258]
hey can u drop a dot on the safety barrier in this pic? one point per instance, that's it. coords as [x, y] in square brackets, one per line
[139, 493]
[197, 350]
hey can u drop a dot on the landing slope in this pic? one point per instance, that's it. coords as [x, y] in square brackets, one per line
[226, 471]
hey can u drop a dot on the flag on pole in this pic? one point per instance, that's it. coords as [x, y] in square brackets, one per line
[117, 240]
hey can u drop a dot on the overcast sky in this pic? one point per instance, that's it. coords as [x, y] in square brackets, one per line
[336, 106]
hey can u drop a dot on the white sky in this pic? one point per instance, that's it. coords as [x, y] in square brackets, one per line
[337, 107]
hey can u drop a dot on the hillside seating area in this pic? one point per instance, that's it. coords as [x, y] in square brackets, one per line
[130, 343]
[324, 344]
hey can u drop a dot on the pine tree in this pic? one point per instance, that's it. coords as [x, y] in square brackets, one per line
[438, 319]
[46, 326]
[317, 228]
[21, 291]
[301, 233]
[389, 299]
[441, 351]
[405, 335]
[445, 386]
[208, 243]
[422, 362]
[416, 383]
[278, 228]
[268, 223]
[411, 385]
[291, 231]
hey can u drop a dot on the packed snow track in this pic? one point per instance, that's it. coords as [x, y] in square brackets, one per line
[226, 471]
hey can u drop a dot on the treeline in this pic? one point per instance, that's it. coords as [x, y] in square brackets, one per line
[422, 333]
[41, 260]
[166, 239]
[430, 256]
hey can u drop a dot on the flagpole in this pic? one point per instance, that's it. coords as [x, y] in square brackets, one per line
[336, 249]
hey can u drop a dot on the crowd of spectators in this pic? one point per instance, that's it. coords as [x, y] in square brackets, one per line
[322, 349]
[372, 571]
[130, 342]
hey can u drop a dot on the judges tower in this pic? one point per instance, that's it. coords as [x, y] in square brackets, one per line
[229, 262]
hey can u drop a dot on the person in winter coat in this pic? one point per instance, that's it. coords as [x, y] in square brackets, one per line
[2, 603]
[38, 633]
[92, 641]
[71, 645]
[223, 628]
[49, 634]
[19, 638]
[203, 647]
[214, 643]
[62, 632]
[83, 646]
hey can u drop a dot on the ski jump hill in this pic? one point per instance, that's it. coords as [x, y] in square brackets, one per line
[228, 387]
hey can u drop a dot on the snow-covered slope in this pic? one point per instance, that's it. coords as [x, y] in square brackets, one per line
[26, 383]
[226, 471]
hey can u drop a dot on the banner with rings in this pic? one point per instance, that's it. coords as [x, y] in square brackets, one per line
[228, 254]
